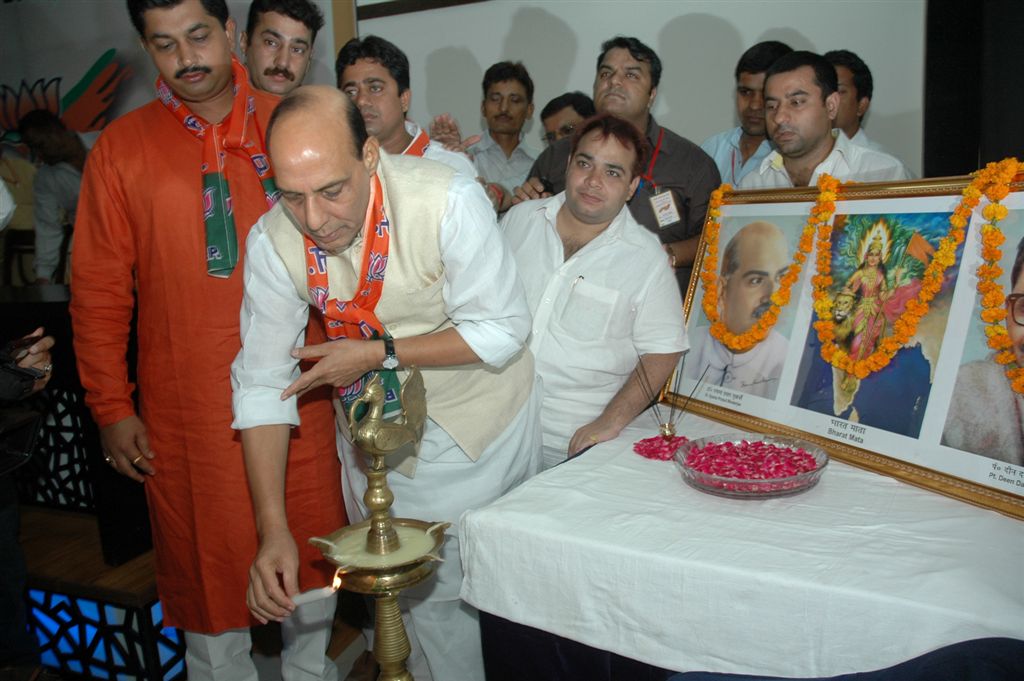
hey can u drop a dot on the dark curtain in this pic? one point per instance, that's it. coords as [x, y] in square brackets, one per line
[974, 87]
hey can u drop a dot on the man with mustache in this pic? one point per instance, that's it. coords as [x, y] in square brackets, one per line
[741, 149]
[753, 263]
[169, 193]
[278, 43]
[501, 157]
[801, 103]
[674, 189]
[374, 73]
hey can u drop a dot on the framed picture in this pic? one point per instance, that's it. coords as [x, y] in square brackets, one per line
[866, 333]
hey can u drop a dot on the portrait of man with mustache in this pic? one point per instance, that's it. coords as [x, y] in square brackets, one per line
[753, 263]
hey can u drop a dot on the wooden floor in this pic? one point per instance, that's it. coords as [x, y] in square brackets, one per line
[62, 554]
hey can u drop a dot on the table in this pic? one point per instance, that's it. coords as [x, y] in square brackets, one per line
[861, 572]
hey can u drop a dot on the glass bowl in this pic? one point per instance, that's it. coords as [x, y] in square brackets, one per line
[747, 488]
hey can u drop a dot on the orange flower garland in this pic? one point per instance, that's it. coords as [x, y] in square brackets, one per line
[820, 215]
[905, 326]
[994, 182]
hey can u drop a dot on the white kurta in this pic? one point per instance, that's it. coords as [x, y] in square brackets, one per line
[7, 206]
[484, 299]
[494, 166]
[436, 152]
[595, 314]
[986, 416]
[755, 372]
[56, 200]
[862, 139]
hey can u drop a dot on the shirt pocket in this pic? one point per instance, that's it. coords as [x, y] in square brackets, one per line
[595, 338]
[590, 313]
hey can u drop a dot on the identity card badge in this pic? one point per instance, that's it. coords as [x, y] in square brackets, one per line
[664, 205]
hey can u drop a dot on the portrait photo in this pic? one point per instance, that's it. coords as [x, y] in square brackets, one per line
[756, 253]
[877, 264]
[986, 416]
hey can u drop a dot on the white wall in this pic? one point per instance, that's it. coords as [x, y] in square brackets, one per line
[699, 43]
[450, 48]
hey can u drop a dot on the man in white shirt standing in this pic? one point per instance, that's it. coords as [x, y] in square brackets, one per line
[403, 258]
[739, 150]
[855, 89]
[801, 103]
[7, 206]
[608, 319]
[502, 157]
[374, 73]
[56, 187]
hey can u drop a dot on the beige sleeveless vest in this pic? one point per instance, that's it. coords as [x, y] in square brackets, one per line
[472, 403]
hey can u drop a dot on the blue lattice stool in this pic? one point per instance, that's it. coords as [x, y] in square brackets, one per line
[91, 620]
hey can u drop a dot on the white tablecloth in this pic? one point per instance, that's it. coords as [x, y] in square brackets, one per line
[861, 572]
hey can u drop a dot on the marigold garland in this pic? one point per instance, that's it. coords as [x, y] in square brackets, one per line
[905, 326]
[994, 183]
[821, 214]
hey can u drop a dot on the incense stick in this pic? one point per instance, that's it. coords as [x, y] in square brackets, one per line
[645, 385]
[682, 409]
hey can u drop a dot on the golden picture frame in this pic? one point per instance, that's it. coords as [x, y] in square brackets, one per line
[941, 414]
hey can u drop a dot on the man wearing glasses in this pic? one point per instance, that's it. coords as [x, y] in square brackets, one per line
[986, 416]
[561, 116]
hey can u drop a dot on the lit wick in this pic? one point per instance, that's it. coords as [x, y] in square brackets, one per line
[320, 594]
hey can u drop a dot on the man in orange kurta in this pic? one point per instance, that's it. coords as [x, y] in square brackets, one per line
[140, 236]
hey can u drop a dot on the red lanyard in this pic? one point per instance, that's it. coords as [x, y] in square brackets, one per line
[648, 177]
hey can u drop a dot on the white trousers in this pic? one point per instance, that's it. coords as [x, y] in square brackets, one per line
[444, 632]
[228, 656]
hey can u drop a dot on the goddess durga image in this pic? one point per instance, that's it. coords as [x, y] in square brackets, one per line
[869, 302]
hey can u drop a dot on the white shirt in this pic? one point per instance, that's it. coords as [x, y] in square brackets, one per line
[482, 296]
[846, 161]
[863, 140]
[7, 205]
[436, 152]
[494, 166]
[55, 201]
[595, 314]
[755, 372]
[724, 149]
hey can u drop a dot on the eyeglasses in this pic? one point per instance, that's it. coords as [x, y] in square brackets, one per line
[1015, 306]
[564, 131]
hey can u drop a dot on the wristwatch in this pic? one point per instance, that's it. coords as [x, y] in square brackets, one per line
[390, 359]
